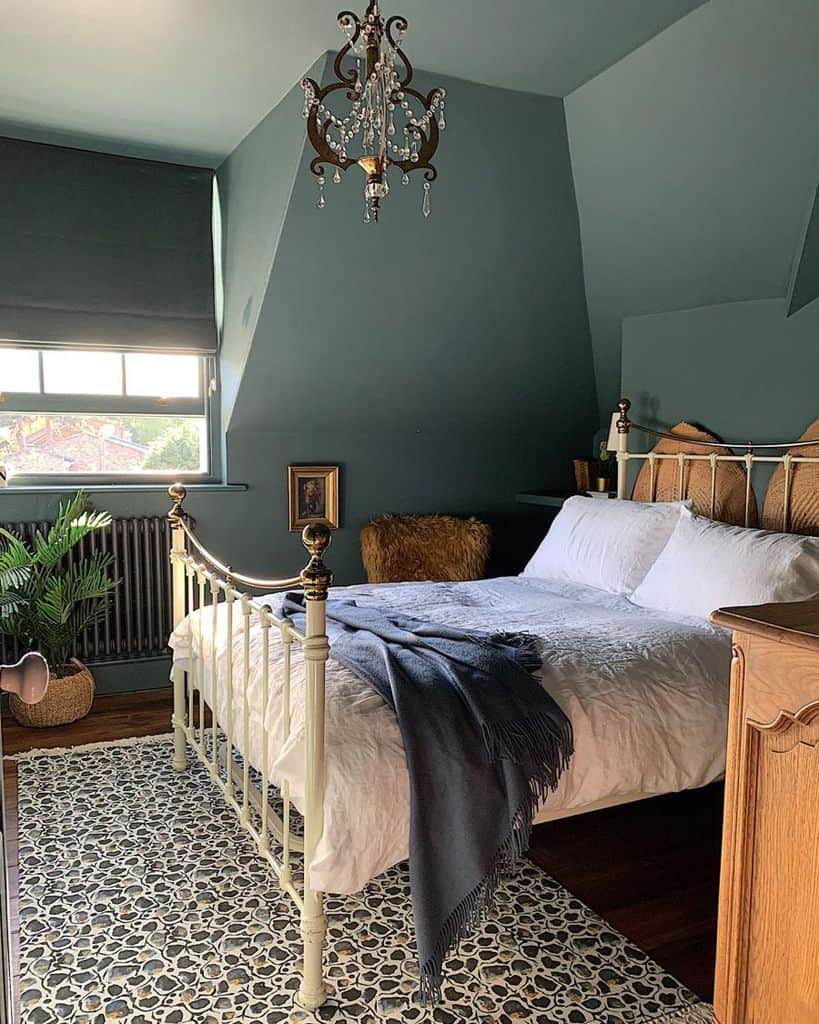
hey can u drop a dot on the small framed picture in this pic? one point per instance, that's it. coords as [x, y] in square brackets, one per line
[313, 496]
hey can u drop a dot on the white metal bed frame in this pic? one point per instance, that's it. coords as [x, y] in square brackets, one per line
[201, 581]
[749, 460]
[194, 581]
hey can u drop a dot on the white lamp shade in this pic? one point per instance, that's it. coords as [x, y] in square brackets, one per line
[612, 444]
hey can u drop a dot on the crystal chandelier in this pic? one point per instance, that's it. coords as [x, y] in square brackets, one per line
[389, 124]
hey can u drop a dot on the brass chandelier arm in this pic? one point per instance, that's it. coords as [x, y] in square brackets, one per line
[318, 135]
[401, 23]
[429, 142]
[348, 18]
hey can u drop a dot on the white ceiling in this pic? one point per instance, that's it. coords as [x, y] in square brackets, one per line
[187, 79]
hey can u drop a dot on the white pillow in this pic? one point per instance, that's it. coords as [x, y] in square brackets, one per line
[708, 565]
[610, 545]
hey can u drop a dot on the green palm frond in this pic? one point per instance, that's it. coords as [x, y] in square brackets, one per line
[84, 616]
[10, 601]
[10, 623]
[13, 552]
[15, 565]
[15, 570]
[86, 581]
[70, 510]
[65, 533]
[44, 603]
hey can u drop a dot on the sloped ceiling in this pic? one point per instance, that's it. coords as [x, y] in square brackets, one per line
[255, 186]
[805, 283]
[190, 78]
[410, 320]
[694, 162]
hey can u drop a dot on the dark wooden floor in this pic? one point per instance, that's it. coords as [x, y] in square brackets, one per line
[650, 869]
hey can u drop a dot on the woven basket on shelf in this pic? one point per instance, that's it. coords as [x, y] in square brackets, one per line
[67, 699]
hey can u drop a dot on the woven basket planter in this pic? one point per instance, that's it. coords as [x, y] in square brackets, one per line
[68, 699]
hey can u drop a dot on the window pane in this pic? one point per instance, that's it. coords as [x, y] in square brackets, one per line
[19, 370]
[161, 376]
[92, 443]
[82, 373]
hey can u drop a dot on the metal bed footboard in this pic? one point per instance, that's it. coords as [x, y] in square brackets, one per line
[202, 583]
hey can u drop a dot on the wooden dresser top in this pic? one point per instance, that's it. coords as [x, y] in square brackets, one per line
[796, 623]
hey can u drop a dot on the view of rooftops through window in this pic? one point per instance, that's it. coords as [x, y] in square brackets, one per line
[81, 412]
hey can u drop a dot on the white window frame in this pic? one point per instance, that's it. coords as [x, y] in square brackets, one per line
[203, 406]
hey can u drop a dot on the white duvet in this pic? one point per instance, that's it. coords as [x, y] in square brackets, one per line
[647, 696]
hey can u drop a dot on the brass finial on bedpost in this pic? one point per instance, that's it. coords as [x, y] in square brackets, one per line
[177, 493]
[316, 577]
[621, 439]
[623, 423]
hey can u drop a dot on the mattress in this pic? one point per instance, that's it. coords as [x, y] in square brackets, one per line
[647, 696]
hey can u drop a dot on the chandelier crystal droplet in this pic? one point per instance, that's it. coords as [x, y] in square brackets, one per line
[386, 122]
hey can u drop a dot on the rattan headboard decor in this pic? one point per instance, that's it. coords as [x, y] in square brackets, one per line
[670, 480]
[803, 497]
[689, 462]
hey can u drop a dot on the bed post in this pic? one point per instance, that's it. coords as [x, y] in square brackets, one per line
[177, 494]
[623, 426]
[316, 579]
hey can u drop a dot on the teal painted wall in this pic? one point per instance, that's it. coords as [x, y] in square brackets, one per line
[694, 161]
[804, 286]
[742, 369]
[445, 364]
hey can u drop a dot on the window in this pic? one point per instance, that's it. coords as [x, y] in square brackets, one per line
[76, 412]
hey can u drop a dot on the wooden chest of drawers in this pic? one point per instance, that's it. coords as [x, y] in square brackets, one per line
[768, 940]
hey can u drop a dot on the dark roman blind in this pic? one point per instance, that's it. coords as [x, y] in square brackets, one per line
[104, 251]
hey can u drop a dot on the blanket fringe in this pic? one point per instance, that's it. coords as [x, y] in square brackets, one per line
[538, 741]
[559, 748]
[130, 741]
[698, 1013]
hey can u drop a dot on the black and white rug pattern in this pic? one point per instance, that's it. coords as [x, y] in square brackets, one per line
[143, 901]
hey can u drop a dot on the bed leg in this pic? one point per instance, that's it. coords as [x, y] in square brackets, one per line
[312, 991]
[180, 758]
[315, 580]
[176, 517]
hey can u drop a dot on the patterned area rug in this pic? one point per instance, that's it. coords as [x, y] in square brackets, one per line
[141, 900]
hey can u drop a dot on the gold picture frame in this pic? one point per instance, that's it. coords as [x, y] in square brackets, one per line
[312, 496]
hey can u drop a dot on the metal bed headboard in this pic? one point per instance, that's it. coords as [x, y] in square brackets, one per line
[625, 426]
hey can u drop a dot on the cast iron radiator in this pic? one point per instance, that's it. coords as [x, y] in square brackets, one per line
[138, 620]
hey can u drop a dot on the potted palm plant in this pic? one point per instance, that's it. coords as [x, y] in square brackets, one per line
[48, 600]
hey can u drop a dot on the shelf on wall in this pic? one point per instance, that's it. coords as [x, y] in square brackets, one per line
[552, 499]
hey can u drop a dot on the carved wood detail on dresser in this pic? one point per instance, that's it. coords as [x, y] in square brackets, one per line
[768, 936]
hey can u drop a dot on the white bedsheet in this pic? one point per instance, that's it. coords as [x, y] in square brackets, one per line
[646, 694]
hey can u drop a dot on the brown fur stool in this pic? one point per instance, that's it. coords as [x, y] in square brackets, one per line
[402, 548]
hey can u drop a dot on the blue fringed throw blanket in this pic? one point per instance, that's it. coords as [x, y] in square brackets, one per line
[484, 743]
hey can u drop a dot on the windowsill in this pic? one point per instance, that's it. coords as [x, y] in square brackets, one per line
[91, 488]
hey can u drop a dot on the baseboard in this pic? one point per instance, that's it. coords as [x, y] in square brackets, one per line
[132, 676]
